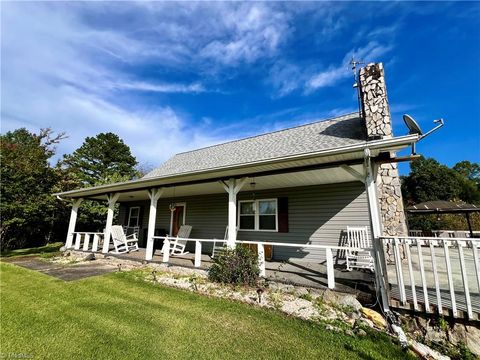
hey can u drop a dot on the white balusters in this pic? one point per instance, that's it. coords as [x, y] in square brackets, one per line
[198, 253]
[261, 259]
[465, 279]
[435, 275]
[330, 270]
[449, 276]
[412, 276]
[166, 250]
[95, 243]
[86, 242]
[398, 265]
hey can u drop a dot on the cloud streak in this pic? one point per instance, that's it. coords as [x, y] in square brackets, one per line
[86, 68]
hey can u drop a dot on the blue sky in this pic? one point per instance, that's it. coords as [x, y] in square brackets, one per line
[169, 77]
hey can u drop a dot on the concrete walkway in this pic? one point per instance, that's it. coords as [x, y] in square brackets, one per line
[68, 272]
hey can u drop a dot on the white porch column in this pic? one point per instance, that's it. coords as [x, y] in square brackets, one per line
[378, 254]
[154, 195]
[112, 200]
[232, 187]
[73, 220]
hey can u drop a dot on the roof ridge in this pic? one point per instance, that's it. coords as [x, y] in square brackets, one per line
[270, 132]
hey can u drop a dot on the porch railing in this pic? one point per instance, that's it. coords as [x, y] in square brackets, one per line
[443, 233]
[82, 240]
[438, 273]
[261, 252]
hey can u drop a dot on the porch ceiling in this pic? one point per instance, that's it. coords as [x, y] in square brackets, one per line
[302, 178]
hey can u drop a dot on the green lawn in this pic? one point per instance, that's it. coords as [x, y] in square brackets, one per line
[48, 250]
[118, 317]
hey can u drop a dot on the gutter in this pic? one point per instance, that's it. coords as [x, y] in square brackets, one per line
[383, 144]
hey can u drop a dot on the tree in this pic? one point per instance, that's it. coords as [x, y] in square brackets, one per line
[470, 171]
[27, 206]
[101, 158]
[429, 180]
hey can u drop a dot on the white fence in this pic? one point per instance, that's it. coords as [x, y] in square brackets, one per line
[443, 273]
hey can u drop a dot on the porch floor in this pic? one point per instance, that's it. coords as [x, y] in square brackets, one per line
[303, 273]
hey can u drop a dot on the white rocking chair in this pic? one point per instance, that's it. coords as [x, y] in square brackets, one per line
[177, 247]
[357, 237]
[219, 246]
[122, 243]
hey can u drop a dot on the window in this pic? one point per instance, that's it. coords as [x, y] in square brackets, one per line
[134, 216]
[260, 215]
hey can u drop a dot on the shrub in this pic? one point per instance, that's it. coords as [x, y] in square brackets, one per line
[235, 266]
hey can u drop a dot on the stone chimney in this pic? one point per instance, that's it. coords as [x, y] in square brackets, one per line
[376, 112]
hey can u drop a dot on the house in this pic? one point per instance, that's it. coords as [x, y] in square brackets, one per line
[299, 186]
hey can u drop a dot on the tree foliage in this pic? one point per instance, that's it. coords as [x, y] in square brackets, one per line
[102, 159]
[30, 215]
[27, 206]
[429, 180]
[468, 170]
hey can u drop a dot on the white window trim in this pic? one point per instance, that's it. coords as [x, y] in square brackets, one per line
[184, 204]
[256, 215]
[130, 216]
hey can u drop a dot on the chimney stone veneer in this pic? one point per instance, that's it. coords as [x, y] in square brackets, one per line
[373, 96]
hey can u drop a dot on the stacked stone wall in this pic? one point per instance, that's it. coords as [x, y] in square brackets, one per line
[374, 102]
[376, 111]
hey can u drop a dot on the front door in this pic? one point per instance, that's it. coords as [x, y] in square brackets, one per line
[178, 219]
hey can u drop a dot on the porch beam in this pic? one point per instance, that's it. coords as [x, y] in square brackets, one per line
[357, 175]
[378, 254]
[223, 179]
[73, 221]
[154, 195]
[112, 200]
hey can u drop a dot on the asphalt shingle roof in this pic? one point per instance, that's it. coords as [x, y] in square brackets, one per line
[321, 135]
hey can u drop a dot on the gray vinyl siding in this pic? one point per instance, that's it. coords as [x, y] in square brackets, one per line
[316, 215]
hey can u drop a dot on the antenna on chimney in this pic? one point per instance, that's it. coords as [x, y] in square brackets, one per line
[354, 64]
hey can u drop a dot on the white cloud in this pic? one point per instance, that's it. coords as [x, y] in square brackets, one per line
[287, 77]
[161, 88]
[371, 52]
[327, 78]
[54, 76]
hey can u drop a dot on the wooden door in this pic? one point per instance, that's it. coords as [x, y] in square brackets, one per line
[177, 219]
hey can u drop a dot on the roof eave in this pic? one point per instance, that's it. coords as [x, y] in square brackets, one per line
[391, 144]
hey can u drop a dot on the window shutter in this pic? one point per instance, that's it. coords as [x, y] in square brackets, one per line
[282, 214]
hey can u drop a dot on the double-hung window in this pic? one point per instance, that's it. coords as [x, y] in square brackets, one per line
[259, 215]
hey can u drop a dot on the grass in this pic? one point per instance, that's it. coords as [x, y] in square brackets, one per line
[46, 251]
[118, 316]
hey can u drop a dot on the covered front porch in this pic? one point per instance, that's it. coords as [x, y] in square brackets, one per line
[292, 212]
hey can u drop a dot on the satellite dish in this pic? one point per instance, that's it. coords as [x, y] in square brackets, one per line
[415, 129]
[412, 125]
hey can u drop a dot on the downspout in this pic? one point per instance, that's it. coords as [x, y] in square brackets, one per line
[378, 254]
